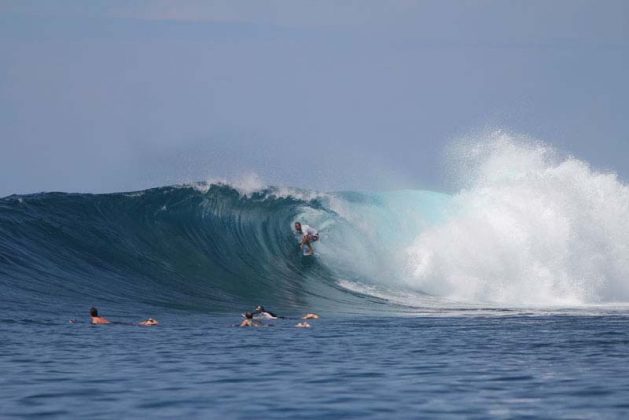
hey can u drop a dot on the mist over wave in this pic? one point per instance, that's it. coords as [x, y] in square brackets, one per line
[528, 228]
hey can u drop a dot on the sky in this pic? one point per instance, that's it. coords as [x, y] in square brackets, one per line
[103, 96]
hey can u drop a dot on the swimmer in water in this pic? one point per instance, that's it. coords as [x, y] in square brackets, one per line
[263, 313]
[303, 325]
[149, 323]
[249, 321]
[309, 235]
[311, 316]
[97, 320]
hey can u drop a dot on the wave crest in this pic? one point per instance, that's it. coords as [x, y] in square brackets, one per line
[530, 228]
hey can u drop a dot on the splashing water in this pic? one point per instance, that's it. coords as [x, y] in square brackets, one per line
[529, 228]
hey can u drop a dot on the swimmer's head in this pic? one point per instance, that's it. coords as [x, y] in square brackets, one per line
[93, 312]
[248, 315]
[298, 226]
[260, 308]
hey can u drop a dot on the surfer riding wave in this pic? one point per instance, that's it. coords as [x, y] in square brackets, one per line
[309, 235]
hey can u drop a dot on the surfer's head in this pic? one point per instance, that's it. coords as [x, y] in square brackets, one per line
[298, 227]
[248, 315]
[94, 312]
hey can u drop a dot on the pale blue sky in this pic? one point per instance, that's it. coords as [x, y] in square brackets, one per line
[121, 95]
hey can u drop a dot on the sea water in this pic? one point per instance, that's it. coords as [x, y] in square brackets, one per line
[507, 297]
[413, 366]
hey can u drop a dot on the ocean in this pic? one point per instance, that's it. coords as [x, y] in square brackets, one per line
[507, 298]
[347, 366]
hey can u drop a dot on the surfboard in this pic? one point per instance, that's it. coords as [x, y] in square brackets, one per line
[306, 252]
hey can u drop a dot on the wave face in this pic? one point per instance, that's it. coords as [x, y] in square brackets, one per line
[528, 228]
[205, 247]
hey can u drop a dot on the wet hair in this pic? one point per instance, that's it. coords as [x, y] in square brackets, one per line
[248, 315]
[94, 312]
[260, 308]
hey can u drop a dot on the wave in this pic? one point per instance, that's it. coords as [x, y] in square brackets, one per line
[529, 227]
[200, 246]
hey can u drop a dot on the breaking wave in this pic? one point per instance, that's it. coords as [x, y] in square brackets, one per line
[527, 228]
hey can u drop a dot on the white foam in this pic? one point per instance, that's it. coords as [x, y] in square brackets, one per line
[246, 184]
[251, 183]
[529, 228]
[397, 297]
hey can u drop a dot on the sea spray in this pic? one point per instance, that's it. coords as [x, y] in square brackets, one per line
[529, 228]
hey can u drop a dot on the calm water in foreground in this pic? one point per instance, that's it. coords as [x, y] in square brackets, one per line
[194, 366]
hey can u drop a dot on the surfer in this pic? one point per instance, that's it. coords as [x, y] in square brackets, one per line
[97, 320]
[149, 323]
[309, 235]
[263, 313]
[249, 321]
[311, 316]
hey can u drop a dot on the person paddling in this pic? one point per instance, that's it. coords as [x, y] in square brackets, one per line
[249, 321]
[98, 320]
[149, 323]
[263, 313]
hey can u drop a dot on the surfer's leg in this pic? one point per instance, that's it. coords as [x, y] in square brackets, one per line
[308, 241]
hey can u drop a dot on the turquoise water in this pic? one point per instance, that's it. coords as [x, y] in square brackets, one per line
[200, 366]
